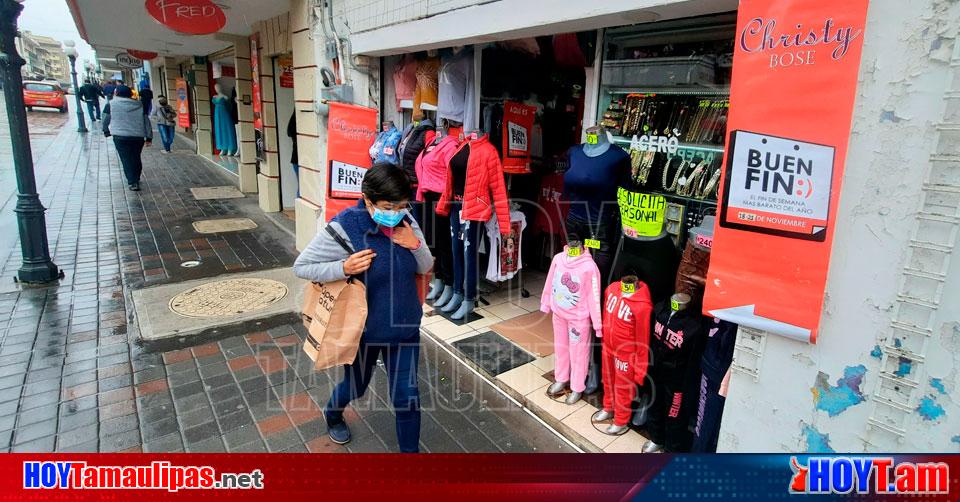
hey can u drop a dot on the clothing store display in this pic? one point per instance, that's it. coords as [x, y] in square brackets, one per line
[572, 294]
[433, 164]
[655, 262]
[552, 214]
[465, 235]
[485, 190]
[425, 94]
[411, 145]
[676, 344]
[456, 94]
[591, 182]
[436, 230]
[384, 148]
[405, 81]
[605, 230]
[225, 134]
[626, 336]
[714, 365]
[506, 258]
[458, 171]
[692, 273]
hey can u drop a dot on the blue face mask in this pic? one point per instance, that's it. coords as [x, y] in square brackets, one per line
[387, 218]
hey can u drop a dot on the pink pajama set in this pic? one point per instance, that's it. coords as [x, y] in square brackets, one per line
[572, 294]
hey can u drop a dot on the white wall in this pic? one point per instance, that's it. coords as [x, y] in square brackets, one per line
[284, 99]
[871, 297]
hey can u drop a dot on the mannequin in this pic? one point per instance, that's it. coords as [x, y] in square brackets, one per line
[225, 133]
[597, 168]
[432, 166]
[572, 293]
[678, 336]
[471, 202]
[384, 148]
[627, 311]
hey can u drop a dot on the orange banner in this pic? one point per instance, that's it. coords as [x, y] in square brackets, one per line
[351, 131]
[183, 104]
[794, 82]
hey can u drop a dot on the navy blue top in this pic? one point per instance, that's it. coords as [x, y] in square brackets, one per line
[393, 306]
[591, 181]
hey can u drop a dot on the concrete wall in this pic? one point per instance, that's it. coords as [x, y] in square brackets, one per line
[891, 321]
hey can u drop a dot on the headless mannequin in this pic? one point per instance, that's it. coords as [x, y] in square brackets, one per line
[437, 288]
[597, 142]
[219, 94]
[458, 304]
[678, 302]
[574, 248]
[628, 285]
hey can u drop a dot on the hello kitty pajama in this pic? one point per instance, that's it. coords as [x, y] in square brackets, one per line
[572, 294]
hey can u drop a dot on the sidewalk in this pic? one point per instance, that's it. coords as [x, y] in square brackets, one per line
[74, 375]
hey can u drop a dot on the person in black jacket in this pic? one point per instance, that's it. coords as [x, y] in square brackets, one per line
[90, 94]
[294, 159]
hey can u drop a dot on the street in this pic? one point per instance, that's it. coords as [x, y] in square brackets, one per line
[75, 374]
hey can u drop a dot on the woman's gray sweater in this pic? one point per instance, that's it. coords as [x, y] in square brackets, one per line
[124, 117]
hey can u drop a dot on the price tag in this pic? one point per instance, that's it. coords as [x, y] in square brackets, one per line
[592, 243]
[574, 252]
[674, 305]
[592, 139]
[704, 241]
[628, 287]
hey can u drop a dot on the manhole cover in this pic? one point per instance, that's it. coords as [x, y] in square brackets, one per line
[228, 297]
[206, 193]
[223, 225]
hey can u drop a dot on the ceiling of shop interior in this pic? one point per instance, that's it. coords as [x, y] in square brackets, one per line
[113, 26]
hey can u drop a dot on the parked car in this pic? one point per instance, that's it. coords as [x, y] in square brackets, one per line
[44, 94]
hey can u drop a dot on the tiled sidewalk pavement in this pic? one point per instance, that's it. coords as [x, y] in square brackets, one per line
[74, 378]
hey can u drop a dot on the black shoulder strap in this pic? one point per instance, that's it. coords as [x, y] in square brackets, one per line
[339, 238]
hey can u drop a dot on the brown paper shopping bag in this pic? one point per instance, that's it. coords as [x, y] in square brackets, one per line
[339, 314]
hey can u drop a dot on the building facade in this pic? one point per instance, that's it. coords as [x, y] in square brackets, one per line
[44, 57]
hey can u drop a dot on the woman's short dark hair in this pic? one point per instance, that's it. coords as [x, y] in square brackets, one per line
[124, 92]
[385, 182]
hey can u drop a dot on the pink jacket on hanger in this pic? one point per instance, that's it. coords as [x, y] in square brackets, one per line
[432, 165]
[572, 289]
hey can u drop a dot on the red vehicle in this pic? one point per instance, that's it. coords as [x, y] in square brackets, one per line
[45, 94]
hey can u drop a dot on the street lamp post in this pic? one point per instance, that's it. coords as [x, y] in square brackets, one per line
[71, 52]
[37, 267]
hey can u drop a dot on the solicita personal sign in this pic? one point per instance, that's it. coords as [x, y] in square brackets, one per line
[777, 186]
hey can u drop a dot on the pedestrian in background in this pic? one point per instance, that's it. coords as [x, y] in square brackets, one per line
[90, 94]
[166, 121]
[123, 118]
[389, 250]
[146, 98]
[108, 89]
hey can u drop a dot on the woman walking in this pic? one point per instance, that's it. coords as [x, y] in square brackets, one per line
[166, 121]
[389, 250]
[123, 119]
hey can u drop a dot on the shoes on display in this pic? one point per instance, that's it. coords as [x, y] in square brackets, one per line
[453, 304]
[616, 430]
[573, 397]
[445, 297]
[601, 415]
[651, 447]
[436, 287]
[556, 389]
[464, 310]
[339, 433]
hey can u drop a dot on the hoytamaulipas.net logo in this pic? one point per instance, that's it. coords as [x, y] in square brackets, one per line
[159, 475]
[876, 475]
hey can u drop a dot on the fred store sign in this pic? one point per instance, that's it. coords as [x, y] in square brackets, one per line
[190, 17]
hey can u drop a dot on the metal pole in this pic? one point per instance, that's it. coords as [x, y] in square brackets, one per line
[37, 266]
[81, 124]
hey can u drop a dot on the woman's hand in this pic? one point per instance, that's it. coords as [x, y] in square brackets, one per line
[403, 236]
[358, 263]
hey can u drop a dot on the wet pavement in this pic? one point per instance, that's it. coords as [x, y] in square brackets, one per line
[74, 375]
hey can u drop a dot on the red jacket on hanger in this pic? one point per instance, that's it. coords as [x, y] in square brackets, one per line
[484, 190]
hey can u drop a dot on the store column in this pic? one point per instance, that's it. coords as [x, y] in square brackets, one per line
[171, 74]
[308, 134]
[201, 93]
[268, 180]
[248, 146]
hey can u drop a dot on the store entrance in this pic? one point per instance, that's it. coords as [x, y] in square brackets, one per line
[286, 132]
[224, 118]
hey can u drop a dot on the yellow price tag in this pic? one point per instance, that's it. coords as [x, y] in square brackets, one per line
[592, 139]
[675, 305]
[592, 243]
[628, 287]
[574, 252]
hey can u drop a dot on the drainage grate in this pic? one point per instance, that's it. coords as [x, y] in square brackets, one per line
[225, 192]
[223, 225]
[228, 297]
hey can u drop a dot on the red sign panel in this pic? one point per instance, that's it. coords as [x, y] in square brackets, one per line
[257, 95]
[183, 104]
[794, 82]
[351, 130]
[190, 17]
[285, 64]
[144, 55]
[518, 121]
